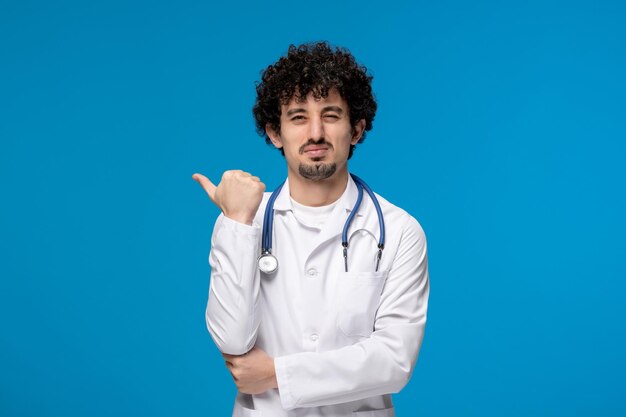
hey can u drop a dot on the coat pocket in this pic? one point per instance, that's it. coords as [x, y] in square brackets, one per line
[357, 301]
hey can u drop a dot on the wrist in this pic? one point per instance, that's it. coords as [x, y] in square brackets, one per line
[274, 381]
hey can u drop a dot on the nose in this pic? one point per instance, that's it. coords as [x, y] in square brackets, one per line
[316, 128]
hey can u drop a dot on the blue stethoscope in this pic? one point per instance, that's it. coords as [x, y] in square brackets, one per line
[268, 262]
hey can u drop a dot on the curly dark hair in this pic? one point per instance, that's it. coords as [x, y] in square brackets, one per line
[314, 67]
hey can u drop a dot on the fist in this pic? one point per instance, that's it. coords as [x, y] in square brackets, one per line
[238, 194]
[253, 372]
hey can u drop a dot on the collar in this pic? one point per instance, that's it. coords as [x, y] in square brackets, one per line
[366, 218]
[347, 199]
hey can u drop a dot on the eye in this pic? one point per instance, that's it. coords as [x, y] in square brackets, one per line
[331, 116]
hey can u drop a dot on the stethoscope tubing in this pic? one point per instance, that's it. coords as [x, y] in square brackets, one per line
[268, 221]
[379, 211]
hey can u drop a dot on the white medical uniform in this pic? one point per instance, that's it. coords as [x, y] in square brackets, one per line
[341, 342]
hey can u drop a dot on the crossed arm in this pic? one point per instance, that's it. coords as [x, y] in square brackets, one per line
[253, 372]
[308, 379]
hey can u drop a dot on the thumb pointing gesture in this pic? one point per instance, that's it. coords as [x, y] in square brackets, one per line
[238, 195]
[206, 183]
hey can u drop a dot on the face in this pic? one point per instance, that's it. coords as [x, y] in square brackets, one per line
[316, 135]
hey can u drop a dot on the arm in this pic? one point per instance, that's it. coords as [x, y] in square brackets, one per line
[380, 364]
[232, 313]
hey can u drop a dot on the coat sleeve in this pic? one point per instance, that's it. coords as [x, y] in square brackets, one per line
[379, 364]
[232, 313]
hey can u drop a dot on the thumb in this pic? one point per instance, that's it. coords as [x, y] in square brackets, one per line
[208, 186]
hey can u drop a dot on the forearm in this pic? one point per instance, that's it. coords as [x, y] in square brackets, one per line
[381, 364]
[232, 313]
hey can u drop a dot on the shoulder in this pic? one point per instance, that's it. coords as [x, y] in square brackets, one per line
[399, 219]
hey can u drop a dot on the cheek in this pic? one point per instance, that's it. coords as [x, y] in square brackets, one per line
[291, 153]
[292, 139]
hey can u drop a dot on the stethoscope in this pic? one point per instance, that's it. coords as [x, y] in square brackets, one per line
[268, 262]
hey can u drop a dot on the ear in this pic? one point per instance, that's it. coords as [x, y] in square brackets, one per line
[357, 131]
[273, 135]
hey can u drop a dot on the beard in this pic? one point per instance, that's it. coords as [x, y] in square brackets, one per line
[317, 172]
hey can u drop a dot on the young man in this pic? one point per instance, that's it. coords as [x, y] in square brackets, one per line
[324, 334]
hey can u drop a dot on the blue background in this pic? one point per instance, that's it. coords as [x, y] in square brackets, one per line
[501, 128]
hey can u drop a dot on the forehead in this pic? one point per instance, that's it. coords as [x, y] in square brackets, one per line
[333, 98]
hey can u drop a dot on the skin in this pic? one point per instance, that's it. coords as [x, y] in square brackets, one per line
[238, 194]
[313, 132]
[302, 125]
[253, 372]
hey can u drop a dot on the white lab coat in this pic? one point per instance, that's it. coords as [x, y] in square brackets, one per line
[342, 342]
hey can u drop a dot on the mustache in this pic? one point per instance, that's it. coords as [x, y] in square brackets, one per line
[321, 141]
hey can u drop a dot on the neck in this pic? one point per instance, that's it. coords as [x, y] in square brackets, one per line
[317, 193]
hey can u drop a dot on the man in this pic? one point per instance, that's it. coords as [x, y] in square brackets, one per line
[323, 335]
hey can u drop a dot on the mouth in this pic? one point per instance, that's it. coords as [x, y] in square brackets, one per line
[315, 151]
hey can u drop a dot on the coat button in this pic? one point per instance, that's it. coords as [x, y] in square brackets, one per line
[312, 272]
[314, 337]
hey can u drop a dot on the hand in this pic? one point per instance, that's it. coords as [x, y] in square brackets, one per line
[238, 195]
[253, 372]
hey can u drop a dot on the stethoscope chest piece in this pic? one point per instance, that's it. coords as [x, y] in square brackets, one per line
[267, 263]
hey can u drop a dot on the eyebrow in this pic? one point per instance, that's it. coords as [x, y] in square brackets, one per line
[336, 109]
[325, 109]
[296, 110]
